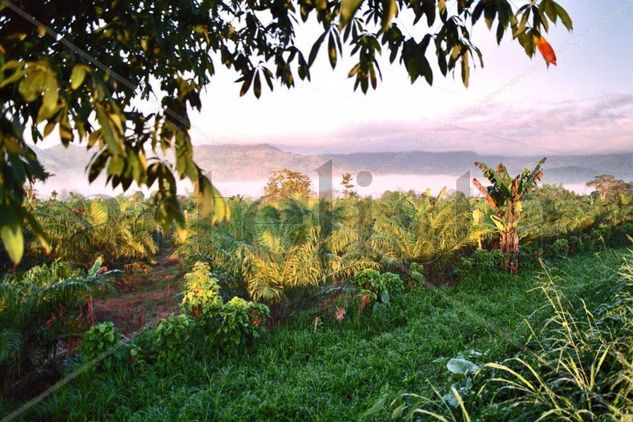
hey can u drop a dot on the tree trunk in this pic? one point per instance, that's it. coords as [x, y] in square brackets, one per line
[509, 241]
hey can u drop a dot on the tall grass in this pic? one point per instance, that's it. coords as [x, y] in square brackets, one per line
[577, 365]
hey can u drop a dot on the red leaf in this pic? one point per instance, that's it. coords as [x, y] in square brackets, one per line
[546, 50]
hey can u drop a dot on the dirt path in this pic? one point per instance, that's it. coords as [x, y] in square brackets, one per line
[142, 297]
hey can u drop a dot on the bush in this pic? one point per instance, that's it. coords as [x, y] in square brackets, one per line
[100, 339]
[560, 248]
[171, 339]
[393, 283]
[239, 321]
[377, 287]
[37, 312]
[225, 324]
[202, 292]
[415, 277]
[481, 261]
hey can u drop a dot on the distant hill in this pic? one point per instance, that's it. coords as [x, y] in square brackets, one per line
[236, 163]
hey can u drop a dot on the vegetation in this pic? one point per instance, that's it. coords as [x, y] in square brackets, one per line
[322, 288]
[605, 185]
[504, 197]
[341, 369]
[120, 229]
[288, 183]
[39, 309]
[576, 366]
[81, 68]
[348, 185]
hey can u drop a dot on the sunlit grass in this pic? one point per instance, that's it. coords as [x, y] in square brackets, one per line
[291, 373]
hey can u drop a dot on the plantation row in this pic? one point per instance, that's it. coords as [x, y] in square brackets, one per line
[275, 256]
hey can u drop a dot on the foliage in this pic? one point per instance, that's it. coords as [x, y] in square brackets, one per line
[227, 325]
[171, 339]
[504, 196]
[288, 183]
[348, 365]
[120, 229]
[581, 367]
[561, 247]
[240, 321]
[608, 185]
[348, 186]
[575, 367]
[416, 274]
[448, 407]
[202, 292]
[82, 69]
[423, 229]
[482, 261]
[99, 342]
[275, 249]
[37, 312]
[378, 287]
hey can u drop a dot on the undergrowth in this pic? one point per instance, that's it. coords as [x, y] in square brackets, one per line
[338, 369]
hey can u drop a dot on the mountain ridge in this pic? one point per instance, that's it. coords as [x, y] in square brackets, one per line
[255, 162]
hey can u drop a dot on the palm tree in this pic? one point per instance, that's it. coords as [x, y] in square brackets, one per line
[117, 228]
[504, 196]
[39, 310]
[423, 229]
[273, 248]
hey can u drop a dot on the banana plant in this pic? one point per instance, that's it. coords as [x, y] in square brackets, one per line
[504, 196]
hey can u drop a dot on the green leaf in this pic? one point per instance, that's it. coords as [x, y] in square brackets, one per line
[257, 85]
[315, 48]
[465, 69]
[384, 296]
[12, 237]
[389, 12]
[348, 9]
[564, 16]
[78, 75]
[332, 51]
[95, 267]
[461, 366]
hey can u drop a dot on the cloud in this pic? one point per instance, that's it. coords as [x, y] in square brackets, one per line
[590, 125]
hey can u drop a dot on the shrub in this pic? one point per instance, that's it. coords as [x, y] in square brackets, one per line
[37, 312]
[239, 321]
[377, 287]
[560, 248]
[226, 324]
[416, 275]
[171, 339]
[393, 283]
[481, 261]
[202, 292]
[100, 339]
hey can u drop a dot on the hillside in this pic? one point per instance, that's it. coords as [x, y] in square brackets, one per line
[256, 162]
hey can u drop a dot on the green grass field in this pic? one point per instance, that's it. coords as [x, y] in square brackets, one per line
[339, 372]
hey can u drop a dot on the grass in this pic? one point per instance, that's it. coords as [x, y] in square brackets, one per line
[339, 372]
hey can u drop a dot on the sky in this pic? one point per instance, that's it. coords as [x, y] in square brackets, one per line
[514, 105]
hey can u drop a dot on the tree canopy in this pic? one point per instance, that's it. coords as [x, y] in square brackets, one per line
[606, 184]
[79, 68]
[288, 183]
